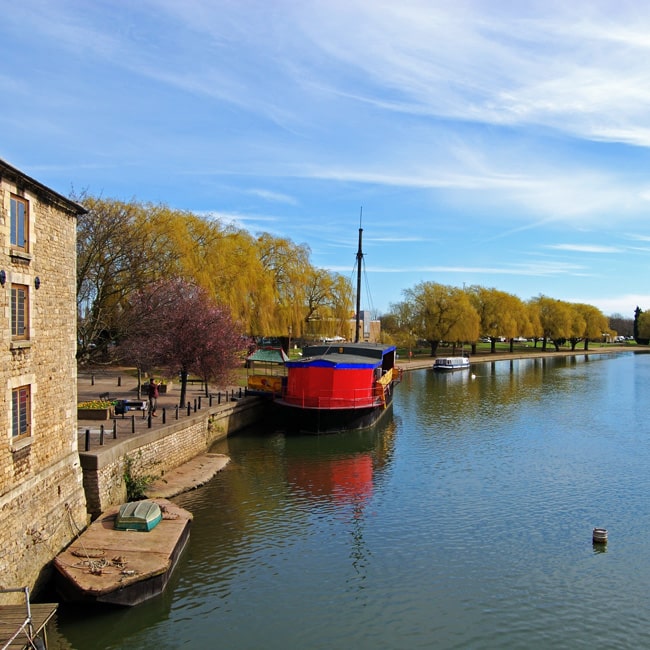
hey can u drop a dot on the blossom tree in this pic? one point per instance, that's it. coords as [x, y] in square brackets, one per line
[178, 327]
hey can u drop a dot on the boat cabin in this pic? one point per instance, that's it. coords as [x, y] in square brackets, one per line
[340, 376]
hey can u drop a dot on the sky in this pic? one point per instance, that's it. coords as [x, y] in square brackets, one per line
[498, 143]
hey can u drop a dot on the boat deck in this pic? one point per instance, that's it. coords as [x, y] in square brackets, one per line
[122, 566]
[13, 619]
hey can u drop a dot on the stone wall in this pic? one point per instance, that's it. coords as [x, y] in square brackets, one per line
[41, 492]
[161, 450]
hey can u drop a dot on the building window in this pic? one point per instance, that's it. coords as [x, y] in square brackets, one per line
[19, 223]
[20, 412]
[19, 311]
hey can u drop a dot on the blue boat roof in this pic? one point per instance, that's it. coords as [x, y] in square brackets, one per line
[343, 355]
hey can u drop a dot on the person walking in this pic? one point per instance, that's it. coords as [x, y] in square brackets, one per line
[153, 397]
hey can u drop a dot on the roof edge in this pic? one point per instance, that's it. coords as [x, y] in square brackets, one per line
[54, 197]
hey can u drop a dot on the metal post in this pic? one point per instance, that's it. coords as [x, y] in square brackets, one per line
[149, 421]
[189, 408]
[101, 435]
[87, 439]
[119, 380]
[92, 380]
[199, 402]
[133, 424]
[164, 418]
[177, 411]
[114, 429]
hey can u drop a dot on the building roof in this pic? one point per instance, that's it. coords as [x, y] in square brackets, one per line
[268, 355]
[22, 179]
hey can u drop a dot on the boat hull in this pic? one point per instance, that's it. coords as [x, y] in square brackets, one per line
[295, 419]
[450, 364]
[122, 567]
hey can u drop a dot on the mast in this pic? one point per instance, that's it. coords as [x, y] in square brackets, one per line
[359, 262]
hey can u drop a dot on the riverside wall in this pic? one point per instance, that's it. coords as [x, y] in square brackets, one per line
[160, 450]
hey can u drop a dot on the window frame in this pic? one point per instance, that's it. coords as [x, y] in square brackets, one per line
[17, 312]
[19, 223]
[21, 412]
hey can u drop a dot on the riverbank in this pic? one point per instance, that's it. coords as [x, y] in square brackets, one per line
[420, 363]
[200, 469]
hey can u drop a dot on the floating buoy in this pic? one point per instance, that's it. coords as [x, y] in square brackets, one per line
[600, 536]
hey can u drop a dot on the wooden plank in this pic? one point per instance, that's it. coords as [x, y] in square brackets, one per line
[12, 617]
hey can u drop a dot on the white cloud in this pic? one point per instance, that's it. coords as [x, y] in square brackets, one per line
[585, 248]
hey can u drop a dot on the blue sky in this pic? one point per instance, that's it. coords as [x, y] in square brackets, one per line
[498, 143]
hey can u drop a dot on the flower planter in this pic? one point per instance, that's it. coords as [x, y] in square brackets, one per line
[165, 388]
[93, 414]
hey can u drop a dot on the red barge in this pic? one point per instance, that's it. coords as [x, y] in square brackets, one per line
[339, 387]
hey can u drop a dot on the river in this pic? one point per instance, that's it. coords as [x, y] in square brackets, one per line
[463, 521]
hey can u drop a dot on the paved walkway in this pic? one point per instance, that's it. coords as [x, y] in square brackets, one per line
[121, 383]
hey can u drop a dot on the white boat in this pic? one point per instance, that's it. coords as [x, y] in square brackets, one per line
[447, 364]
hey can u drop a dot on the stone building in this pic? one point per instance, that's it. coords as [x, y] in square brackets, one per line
[42, 500]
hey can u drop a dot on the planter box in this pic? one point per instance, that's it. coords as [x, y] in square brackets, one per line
[165, 388]
[93, 414]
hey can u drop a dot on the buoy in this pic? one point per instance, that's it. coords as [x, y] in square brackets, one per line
[600, 536]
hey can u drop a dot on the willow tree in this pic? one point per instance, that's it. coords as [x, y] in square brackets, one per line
[555, 317]
[328, 303]
[502, 314]
[285, 268]
[223, 260]
[443, 313]
[117, 255]
[400, 324]
[594, 325]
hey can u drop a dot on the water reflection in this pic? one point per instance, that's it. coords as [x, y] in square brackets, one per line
[465, 521]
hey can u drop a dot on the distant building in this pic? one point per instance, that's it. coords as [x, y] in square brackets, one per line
[41, 492]
[369, 330]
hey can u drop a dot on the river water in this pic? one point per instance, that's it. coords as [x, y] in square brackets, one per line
[463, 521]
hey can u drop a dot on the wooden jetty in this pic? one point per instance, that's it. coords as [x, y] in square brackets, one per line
[122, 567]
[24, 626]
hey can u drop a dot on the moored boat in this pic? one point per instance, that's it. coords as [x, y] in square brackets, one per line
[447, 364]
[106, 564]
[338, 387]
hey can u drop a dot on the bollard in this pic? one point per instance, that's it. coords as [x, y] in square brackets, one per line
[199, 402]
[177, 411]
[114, 429]
[240, 392]
[92, 380]
[164, 417]
[87, 439]
[133, 424]
[101, 435]
[210, 401]
[119, 380]
[189, 408]
[149, 421]
[219, 397]
[194, 405]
